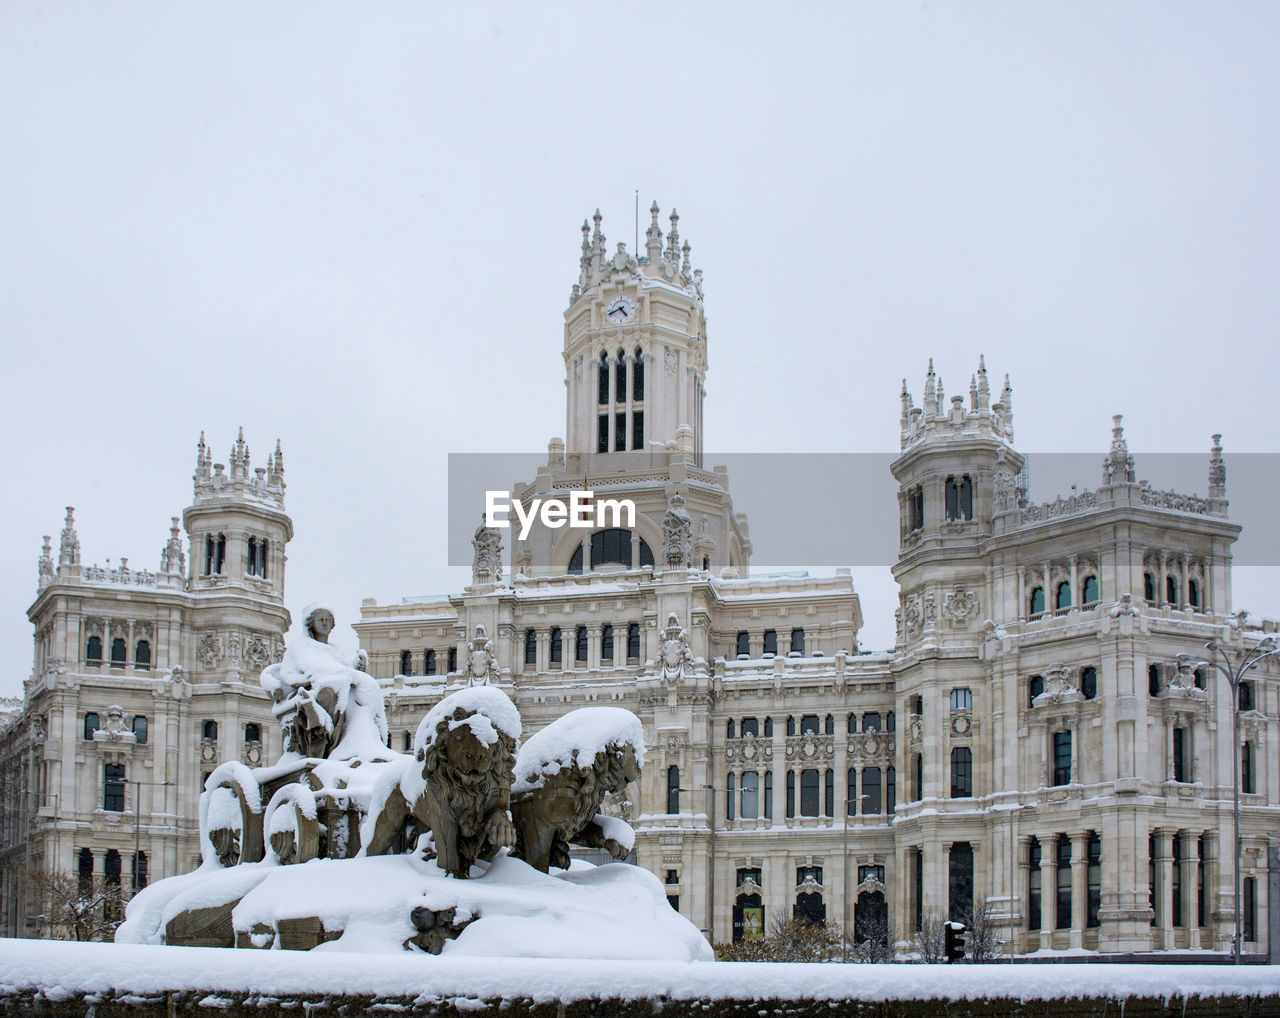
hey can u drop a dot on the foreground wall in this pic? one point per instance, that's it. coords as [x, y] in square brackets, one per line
[105, 980]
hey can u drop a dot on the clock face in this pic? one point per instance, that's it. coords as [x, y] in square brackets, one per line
[621, 311]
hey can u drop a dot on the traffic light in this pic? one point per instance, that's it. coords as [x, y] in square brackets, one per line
[953, 949]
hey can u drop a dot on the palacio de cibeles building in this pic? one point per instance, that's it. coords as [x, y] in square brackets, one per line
[1032, 750]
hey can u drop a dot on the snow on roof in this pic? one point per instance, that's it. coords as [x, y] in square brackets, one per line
[574, 740]
[492, 712]
[59, 969]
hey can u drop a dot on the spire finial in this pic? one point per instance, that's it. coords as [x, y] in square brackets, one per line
[684, 265]
[1217, 470]
[973, 392]
[1118, 466]
[69, 548]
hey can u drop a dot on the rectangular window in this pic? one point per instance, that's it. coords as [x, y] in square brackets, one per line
[637, 429]
[1034, 917]
[797, 641]
[1249, 910]
[453, 659]
[731, 796]
[673, 790]
[1094, 881]
[791, 794]
[580, 645]
[1063, 913]
[633, 641]
[917, 777]
[771, 641]
[1179, 754]
[829, 793]
[606, 644]
[750, 795]
[809, 792]
[750, 727]
[1202, 852]
[961, 772]
[1062, 758]
[870, 791]
[917, 889]
[1246, 769]
[557, 648]
[602, 433]
[890, 790]
[1175, 881]
[113, 788]
[961, 699]
[428, 662]
[531, 646]
[620, 432]
[960, 883]
[768, 795]
[743, 644]
[1089, 682]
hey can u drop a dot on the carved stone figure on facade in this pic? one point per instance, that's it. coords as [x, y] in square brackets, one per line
[563, 775]
[1005, 494]
[675, 655]
[1058, 685]
[114, 728]
[482, 662]
[461, 791]
[1124, 606]
[486, 564]
[930, 608]
[1183, 682]
[677, 534]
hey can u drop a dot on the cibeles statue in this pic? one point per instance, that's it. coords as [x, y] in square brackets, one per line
[486, 564]
[323, 698]
[677, 534]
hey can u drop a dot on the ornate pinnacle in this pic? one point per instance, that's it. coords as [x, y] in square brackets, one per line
[684, 265]
[673, 239]
[1118, 466]
[941, 399]
[69, 548]
[973, 392]
[653, 236]
[1217, 470]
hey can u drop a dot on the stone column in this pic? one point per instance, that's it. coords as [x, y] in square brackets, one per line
[1076, 599]
[1048, 593]
[1079, 887]
[1048, 888]
[944, 884]
[1161, 598]
[1023, 887]
[593, 646]
[1182, 589]
[544, 651]
[1164, 886]
[1188, 877]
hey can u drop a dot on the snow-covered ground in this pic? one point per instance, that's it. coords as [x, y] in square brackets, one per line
[61, 969]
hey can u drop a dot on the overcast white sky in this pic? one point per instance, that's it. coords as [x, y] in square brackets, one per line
[355, 227]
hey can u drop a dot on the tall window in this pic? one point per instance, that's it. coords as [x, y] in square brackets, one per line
[1247, 783]
[620, 378]
[1033, 888]
[113, 788]
[1094, 880]
[86, 872]
[139, 727]
[1249, 910]
[1149, 587]
[890, 790]
[870, 791]
[958, 496]
[809, 792]
[791, 794]
[142, 655]
[531, 646]
[606, 643]
[429, 661]
[91, 724]
[730, 796]
[1063, 596]
[637, 377]
[119, 655]
[1092, 592]
[637, 429]
[1175, 881]
[139, 871]
[960, 889]
[453, 659]
[771, 641]
[829, 793]
[602, 433]
[1037, 601]
[602, 385]
[961, 699]
[111, 868]
[917, 777]
[252, 733]
[557, 651]
[1062, 758]
[620, 431]
[1035, 686]
[1246, 695]
[768, 795]
[673, 789]
[961, 772]
[209, 729]
[916, 499]
[633, 641]
[1089, 682]
[750, 795]
[743, 644]
[1179, 754]
[580, 645]
[1171, 589]
[93, 650]
[1063, 913]
[917, 887]
[1193, 593]
[1153, 680]
[406, 662]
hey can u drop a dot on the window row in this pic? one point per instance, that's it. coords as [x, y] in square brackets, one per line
[811, 724]
[749, 797]
[619, 387]
[959, 883]
[611, 547]
[1058, 852]
[93, 722]
[619, 421]
[870, 911]
[429, 662]
[742, 646]
[119, 652]
[209, 730]
[581, 643]
[1186, 910]
[1172, 590]
[215, 556]
[1088, 685]
[111, 870]
[1090, 588]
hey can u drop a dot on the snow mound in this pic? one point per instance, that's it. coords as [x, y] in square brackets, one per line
[492, 712]
[573, 741]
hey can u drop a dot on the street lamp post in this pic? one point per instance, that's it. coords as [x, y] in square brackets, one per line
[1244, 663]
[137, 822]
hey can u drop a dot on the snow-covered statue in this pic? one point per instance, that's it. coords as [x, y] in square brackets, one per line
[677, 534]
[323, 698]
[458, 786]
[486, 565]
[482, 662]
[676, 657]
[563, 774]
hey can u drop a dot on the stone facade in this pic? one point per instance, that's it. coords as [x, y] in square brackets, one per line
[1030, 742]
[143, 682]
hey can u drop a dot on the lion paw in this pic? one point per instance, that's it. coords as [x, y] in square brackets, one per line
[500, 831]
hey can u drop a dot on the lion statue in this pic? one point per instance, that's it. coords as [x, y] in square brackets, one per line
[461, 793]
[563, 774]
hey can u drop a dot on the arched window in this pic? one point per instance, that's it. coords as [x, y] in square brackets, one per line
[119, 655]
[891, 722]
[1089, 682]
[428, 662]
[620, 378]
[531, 646]
[91, 724]
[142, 654]
[768, 728]
[252, 733]
[93, 650]
[809, 724]
[829, 724]
[602, 383]
[606, 643]
[673, 789]
[580, 645]
[961, 772]
[871, 722]
[406, 741]
[1037, 601]
[1193, 593]
[139, 727]
[633, 642]
[1171, 589]
[730, 730]
[406, 662]
[220, 553]
[1063, 598]
[575, 560]
[251, 565]
[637, 377]
[1149, 587]
[852, 726]
[209, 730]
[871, 791]
[610, 546]
[557, 651]
[1092, 592]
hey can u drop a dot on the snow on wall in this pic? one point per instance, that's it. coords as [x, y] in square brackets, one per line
[573, 741]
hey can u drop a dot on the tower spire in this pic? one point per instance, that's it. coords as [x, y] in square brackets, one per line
[1117, 468]
[69, 548]
[673, 240]
[984, 390]
[1217, 470]
[653, 236]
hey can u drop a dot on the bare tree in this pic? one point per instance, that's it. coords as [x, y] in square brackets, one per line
[75, 908]
[788, 940]
[981, 938]
[931, 937]
[874, 945]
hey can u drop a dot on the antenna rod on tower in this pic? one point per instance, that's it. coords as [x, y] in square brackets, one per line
[636, 249]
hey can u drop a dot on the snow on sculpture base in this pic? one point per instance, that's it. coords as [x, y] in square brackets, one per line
[398, 903]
